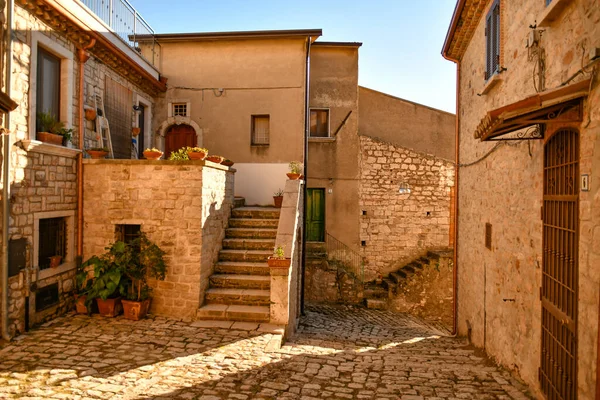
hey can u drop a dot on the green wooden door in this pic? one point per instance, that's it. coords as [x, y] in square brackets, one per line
[315, 215]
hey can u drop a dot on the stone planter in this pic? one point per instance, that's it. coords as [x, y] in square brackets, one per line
[196, 155]
[215, 159]
[292, 176]
[278, 200]
[51, 138]
[153, 155]
[135, 310]
[109, 307]
[97, 154]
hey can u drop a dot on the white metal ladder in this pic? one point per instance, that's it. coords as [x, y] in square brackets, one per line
[102, 126]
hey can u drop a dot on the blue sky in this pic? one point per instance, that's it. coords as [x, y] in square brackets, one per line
[402, 39]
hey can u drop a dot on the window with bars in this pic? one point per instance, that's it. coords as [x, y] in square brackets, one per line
[128, 233]
[492, 40]
[319, 123]
[180, 109]
[119, 112]
[53, 240]
[260, 130]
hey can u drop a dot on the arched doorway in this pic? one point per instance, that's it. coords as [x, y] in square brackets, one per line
[179, 136]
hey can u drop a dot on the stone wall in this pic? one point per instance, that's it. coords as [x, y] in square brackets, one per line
[326, 282]
[499, 288]
[182, 206]
[397, 228]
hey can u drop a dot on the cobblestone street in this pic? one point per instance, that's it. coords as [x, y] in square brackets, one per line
[338, 353]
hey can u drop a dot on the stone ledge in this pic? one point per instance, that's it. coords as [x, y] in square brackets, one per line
[552, 12]
[61, 269]
[45, 148]
[492, 82]
[321, 139]
[195, 163]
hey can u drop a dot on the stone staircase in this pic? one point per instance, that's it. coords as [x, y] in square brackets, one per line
[377, 295]
[239, 289]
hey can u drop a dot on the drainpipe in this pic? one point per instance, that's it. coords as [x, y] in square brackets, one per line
[306, 134]
[82, 56]
[6, 174]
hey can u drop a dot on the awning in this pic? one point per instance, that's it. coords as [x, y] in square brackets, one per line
[526, 118]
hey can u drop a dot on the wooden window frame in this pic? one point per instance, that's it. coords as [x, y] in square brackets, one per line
[253, 138]
[328, 135]
[180, 105]
[493, 38]
[43, 54]
[61, 239]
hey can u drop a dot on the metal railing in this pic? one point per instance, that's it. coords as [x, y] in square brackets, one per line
[122, 18]
[343, 256]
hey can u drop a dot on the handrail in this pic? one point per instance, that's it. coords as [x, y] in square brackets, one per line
[345, 257]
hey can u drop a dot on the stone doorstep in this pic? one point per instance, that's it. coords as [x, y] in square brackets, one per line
[250, 233]
[249, 244]
[234, 313]
[253, 223]
[245, 255]
[263, 327]
[376, 304]
[232, 296]
[240, 281]
[256, 212]
[243, 268]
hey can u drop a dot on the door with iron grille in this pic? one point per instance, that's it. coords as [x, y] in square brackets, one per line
[560, 213]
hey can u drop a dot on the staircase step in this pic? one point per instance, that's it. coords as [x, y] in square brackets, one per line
[240, 281]
[244, 268]
[253, 223]
[408, 270]
[256, 212]
[376, 304]
[396, 277]
[376, 293]
[245, 255]
[249, 297]
[234, 312]
[388, 284]
[251, 233]
[249, 244]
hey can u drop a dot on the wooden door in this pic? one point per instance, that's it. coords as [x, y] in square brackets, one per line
[179, 136]
[560, 273]
[315, 215]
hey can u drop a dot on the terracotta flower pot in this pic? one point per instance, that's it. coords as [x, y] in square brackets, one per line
[153, 155]
[51, 138]
[135, 310]
[227, 163]
[278, 200]
[196, 155]
[97, 154]
[215, 159]
[109, 307]
[135, 131]
[55, 261]
[80, 306]
[292, 176]
[90, 114]
[279, 262]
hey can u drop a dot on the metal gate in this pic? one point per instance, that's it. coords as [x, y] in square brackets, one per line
[560, 214]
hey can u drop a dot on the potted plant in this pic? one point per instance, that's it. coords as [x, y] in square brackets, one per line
[55, 261]
[90, 113]
[227, 162]
[147, 262]
[97, 152]
[278, 198]
[214, 158]
[179, 155]
[152, 153]
[67, 135]
[48, 129]
[83, 283]
[278, 260]
[109, 281]
[135, 131]
[295, 170]
[196, 153]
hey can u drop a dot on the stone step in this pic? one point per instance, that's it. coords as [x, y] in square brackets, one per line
[388, 284]
[408, 270]
[250, 233]
[234, 312]
[243, 268]
[256, 212]
[248, 244]
[240, 281]
[249, 297]
[396, 277]
[377, 304]
[376, 293]
[253, 223]
[245, 255]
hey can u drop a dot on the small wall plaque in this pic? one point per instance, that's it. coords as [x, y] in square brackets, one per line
[585, 183]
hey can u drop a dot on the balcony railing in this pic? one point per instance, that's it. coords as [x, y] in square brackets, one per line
[344, 257]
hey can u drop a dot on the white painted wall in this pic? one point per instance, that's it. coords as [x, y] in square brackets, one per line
[258, 182]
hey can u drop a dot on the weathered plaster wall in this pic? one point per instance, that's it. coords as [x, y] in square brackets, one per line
[333, 163]
[182, 206]
[506, 190]
[407, 124]
[398, 228]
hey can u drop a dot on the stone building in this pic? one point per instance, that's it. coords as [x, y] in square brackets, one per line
[528, 193]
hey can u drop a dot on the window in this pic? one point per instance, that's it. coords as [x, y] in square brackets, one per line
[319, 123]
[119, 108]
[128, 233]
[52, 240]
[548, 2]
[48, 84]
[260, 129]
[180, 109]
[492, 40]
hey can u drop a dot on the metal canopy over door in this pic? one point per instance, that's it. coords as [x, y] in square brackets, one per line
[558, 369]
[179, 136]
[315, 215]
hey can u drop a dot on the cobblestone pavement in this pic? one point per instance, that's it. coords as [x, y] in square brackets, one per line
[338, 353]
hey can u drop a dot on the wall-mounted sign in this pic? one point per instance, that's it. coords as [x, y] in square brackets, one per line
[585, 183]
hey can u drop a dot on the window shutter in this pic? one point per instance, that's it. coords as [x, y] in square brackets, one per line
[496, 37]
[492, 40]
[488, 46]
